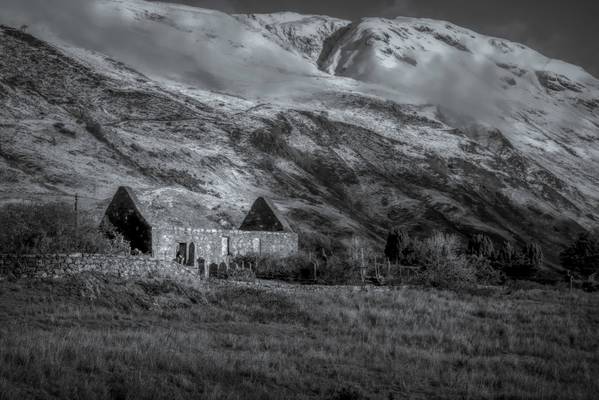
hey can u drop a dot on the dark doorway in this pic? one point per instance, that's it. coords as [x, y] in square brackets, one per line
[191, 255]
[181, 255]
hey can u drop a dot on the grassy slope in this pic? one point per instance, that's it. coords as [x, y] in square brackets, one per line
[88, 337]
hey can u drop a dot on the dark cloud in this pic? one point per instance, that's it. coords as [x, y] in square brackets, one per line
[566, 30]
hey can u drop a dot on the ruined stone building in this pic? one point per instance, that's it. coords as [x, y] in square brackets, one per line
[263, 232]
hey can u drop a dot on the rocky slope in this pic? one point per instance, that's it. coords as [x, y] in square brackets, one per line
[350, 127]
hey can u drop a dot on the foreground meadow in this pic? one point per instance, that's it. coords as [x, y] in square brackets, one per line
[93, 337]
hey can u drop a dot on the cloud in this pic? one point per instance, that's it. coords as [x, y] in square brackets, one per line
[205, 49]
[464, 89]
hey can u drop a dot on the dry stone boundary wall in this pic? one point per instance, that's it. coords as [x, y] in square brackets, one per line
[57, 265]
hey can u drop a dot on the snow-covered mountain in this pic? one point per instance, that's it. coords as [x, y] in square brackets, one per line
[351, 127]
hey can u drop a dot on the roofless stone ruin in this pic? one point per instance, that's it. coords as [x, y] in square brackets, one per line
[264, 231]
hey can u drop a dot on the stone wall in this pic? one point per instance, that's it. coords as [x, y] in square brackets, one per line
[214, 245]
[57, 265]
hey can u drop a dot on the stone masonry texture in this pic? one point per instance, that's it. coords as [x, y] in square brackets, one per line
[58, 265]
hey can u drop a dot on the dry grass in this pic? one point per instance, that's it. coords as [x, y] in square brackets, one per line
[94, 338]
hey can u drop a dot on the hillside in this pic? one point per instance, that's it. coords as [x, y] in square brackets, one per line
[95, 337]
[350, 127]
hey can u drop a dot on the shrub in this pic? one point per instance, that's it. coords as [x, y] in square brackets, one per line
[485, 271]
[318, 243]
[443, 265]
[52, 228]
[582, 256]
[336, 270]
[294, 268]
[301, 265]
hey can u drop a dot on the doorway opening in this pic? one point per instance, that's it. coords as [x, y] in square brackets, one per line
[191, 255]
[181, 254]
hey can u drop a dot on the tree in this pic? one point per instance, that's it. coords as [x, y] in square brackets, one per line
[518, 263]
[533, 256]
[53, 228]
[481, 246]
[443, 262]
[508, 255]
[582, 256]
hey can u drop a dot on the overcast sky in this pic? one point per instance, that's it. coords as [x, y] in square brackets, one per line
[568, 30]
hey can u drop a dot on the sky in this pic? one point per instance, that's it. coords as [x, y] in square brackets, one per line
[566, 30]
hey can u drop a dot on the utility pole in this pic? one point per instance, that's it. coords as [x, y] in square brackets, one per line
[77, 216]
[362, 267]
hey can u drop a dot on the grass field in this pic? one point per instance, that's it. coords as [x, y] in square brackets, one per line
[92, 337]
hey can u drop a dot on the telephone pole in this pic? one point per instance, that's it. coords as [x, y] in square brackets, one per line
[77, 216]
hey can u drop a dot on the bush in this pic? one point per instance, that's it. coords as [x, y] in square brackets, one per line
[294, 268]
[582, 256]
[336, 270]
[442, 264]
[486, 273]
[318, 243]
[52, 228]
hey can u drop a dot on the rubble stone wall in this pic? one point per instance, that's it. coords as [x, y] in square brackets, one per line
[214, 245]
[57, 265]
